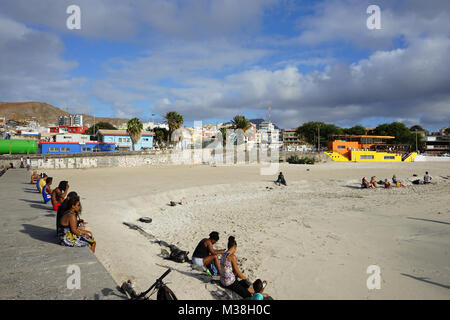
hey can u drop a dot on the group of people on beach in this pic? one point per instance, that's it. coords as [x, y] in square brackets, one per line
[397, 183]
[70, 228]
[206, 256]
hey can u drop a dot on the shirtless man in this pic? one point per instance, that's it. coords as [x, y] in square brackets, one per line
[59, 194]
[387, 184]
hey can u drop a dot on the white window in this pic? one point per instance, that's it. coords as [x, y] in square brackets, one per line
[366, 157]
[86, 149]
[53, 149]
[120, 139]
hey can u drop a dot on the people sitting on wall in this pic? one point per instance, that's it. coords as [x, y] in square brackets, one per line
[387, 184]
[230, 271]
[63, 207]
[427, 178]
[69, 233]
[34, 177]
[41, 182]
[59, 193]
[281, 179]
[205, 254]
[46, 190]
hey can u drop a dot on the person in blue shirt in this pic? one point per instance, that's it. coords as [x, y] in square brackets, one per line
[258, 287]
[46, 191]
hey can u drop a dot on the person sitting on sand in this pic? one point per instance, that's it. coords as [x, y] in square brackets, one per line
[373, 182]
[228, 263]
[81, 223]
[365, 183]
[63, 207]
[41, 182]
[387, 184]
[68, 232]
[258, 287]
[281, 179]
[426, 178]
[46, 190]
[59, 194]
[396, 182]
[34, 177]
[205, 254]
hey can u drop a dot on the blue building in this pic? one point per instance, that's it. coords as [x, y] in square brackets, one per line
[122, 139]
[74, 147]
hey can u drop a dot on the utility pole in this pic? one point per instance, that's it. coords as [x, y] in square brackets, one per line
[318, 138]
[417, 149]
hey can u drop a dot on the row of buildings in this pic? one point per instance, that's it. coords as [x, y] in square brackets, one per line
[69, 137]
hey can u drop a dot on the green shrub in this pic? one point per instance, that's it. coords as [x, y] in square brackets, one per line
[304, 160]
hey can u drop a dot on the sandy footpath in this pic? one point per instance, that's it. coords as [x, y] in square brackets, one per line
[313, 239]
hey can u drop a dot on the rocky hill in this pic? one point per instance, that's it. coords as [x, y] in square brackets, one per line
[45, 114]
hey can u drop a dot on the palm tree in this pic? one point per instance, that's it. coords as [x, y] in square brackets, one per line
[240, 122]
[134, 129]
[175, 121]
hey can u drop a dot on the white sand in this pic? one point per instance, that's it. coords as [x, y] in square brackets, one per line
[313, 239]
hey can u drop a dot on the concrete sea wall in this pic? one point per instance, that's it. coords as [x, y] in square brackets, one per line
[137, 159]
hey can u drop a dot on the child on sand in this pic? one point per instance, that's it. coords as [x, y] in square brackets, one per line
[258, 287]
[387, 184]
[34, 177]
[46, 190]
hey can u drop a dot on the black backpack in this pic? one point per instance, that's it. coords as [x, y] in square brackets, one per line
[164, 293]
[178, 255]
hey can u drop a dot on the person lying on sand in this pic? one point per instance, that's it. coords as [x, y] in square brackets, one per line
[396, 182]
[68, 232]
[258, 287]
[373, 182]
[387, 184]
[59, 194]
[34, 177]
[228, 263]
[281, 179]
[47, 191]
[365, 183]
[427, 178]
[205, 254]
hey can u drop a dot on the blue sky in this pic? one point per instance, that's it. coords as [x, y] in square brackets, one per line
[210, 60]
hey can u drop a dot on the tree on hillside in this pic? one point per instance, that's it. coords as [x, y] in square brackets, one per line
[310, 130]
[175, 121]
[101, 125]
[447, 130]
[134, 129]
[240, 122]
[355, 130]
[401, 133]
[416, 128]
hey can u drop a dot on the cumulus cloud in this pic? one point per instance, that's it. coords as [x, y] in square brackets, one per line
[32, 68]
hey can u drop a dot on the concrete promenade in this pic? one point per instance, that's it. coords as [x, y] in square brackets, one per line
[33, 265]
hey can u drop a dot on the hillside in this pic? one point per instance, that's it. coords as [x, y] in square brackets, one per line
[45, 114]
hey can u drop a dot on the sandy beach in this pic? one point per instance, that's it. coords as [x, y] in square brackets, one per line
[313, 239]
